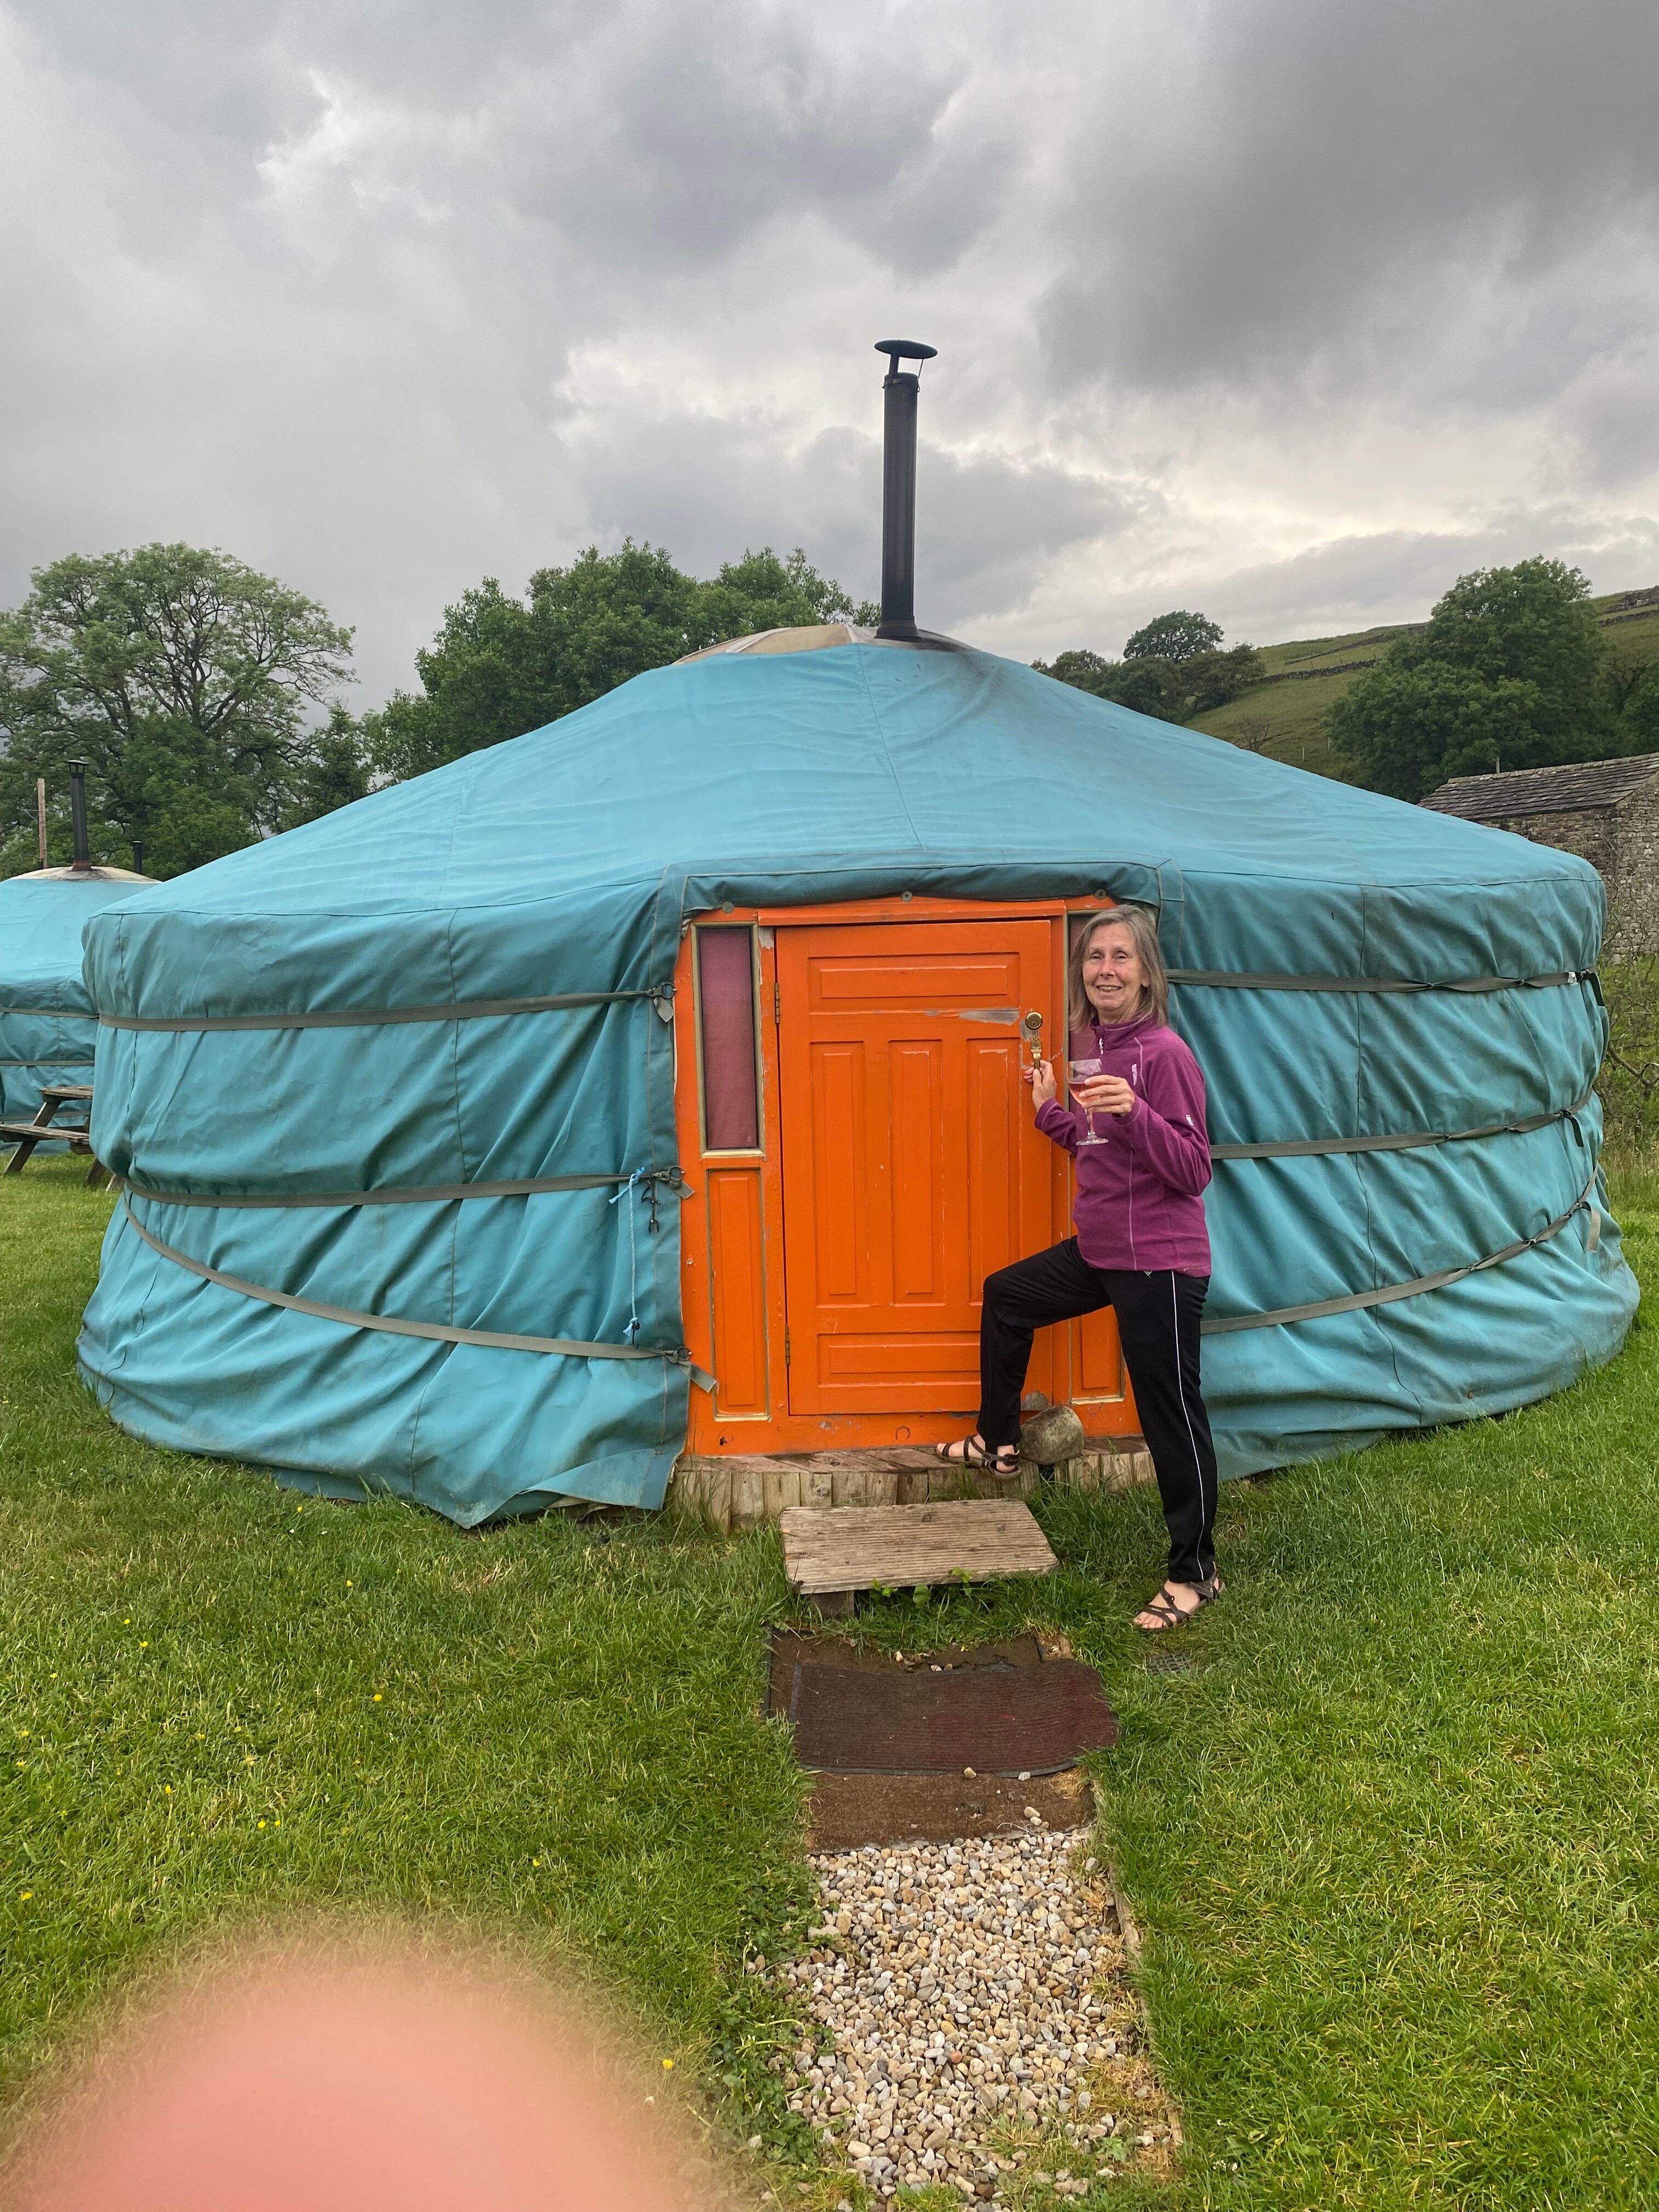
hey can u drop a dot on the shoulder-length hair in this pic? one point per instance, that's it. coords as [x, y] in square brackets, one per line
[1142, 934]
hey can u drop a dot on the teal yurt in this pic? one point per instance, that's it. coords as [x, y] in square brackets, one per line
[446, 1122]
[48, 1029]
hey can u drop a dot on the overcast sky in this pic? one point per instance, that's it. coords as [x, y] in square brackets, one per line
[1287, 310]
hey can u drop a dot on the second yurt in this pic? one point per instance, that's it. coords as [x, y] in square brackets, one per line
[48, 1029]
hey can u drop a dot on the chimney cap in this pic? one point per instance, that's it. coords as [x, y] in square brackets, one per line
[899, 349]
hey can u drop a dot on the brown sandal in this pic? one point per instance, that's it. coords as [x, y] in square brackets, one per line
[1169, 1615]
[973, 1451]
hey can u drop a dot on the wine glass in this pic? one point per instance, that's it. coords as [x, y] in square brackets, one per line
[1081, 1072]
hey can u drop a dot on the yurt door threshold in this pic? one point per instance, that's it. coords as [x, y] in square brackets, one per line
[849, 1086]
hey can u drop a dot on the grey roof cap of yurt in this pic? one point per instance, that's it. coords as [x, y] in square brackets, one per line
[816, 637]
[72, 874]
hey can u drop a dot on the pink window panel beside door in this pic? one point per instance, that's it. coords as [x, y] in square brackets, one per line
[726, 1002]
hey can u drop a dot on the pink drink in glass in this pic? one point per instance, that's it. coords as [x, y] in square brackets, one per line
[1087, 1071]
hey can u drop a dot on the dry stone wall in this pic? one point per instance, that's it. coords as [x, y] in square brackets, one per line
[1622, 844]
[1633, 880]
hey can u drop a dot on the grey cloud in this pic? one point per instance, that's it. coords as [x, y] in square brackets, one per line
[660, 137]
[385, 298]
[1350, 583]
[677, 152]
[1314, 169]
[707, 491]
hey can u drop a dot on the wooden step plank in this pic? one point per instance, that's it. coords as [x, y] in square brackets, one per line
[903, 1546]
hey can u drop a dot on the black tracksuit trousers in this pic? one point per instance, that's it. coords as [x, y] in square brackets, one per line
[1157, 1317]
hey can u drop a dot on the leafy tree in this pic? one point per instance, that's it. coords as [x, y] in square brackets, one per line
[499, 666]
[330, 769]
[1170, 690]
[1628, 695]
[1179, 637]
[183, 679]
[1211, 679]
[1150, 686]
[1083, 670]
[1504, 673]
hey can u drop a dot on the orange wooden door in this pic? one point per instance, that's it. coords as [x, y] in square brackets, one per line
[911, 1167]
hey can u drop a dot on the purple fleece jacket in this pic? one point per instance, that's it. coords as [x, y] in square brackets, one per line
[1139, 1196]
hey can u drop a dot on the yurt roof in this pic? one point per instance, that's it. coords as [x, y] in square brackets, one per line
[42, 914]
[774, 777]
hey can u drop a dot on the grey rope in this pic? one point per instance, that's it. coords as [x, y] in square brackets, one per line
[341, 1017]
[437, 1332]
[631, 1333]
[1228, 1324]
[437, 1193]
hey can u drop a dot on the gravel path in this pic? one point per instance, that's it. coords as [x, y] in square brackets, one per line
[959, 1983]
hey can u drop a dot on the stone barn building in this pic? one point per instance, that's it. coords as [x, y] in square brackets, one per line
[1607, 811]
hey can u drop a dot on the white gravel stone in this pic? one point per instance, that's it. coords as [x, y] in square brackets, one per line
[956, 1981]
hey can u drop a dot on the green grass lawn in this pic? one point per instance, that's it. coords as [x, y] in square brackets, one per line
[1396, 1841]
[228, 1703]
[1391, 1839]
[1297, 711]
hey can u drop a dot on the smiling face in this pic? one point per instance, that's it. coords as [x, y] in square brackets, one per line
[1113, 977]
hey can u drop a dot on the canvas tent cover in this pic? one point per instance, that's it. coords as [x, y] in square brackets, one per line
[374, 1083]
[47, 1029]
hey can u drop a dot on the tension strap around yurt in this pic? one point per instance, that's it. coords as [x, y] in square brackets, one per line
[661, 996]
[1238, 980]
[437, 1332]
[1304, 1148]
[1358, 1301]
[436, 1194]
[449, 1193]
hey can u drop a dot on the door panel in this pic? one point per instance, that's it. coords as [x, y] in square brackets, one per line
[993, 1194]
[738, 1284]
[840, 1194]
[915, 1073]
[911, 1167]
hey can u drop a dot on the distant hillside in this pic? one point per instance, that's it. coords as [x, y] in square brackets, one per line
[1306, 675]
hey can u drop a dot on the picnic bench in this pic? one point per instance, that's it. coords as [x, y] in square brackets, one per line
[26, 1135]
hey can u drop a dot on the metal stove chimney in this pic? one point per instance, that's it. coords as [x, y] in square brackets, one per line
[900, 389]
[78, 816]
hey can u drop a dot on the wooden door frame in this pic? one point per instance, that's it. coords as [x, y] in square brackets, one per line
[770, 1427]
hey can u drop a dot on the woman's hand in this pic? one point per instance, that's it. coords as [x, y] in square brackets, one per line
[1107, 1094]
[1041, 1080]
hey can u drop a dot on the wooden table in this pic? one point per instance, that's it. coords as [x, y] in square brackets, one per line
[28, 1134]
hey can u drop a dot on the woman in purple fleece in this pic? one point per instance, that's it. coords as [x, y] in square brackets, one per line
[1141, 1245]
